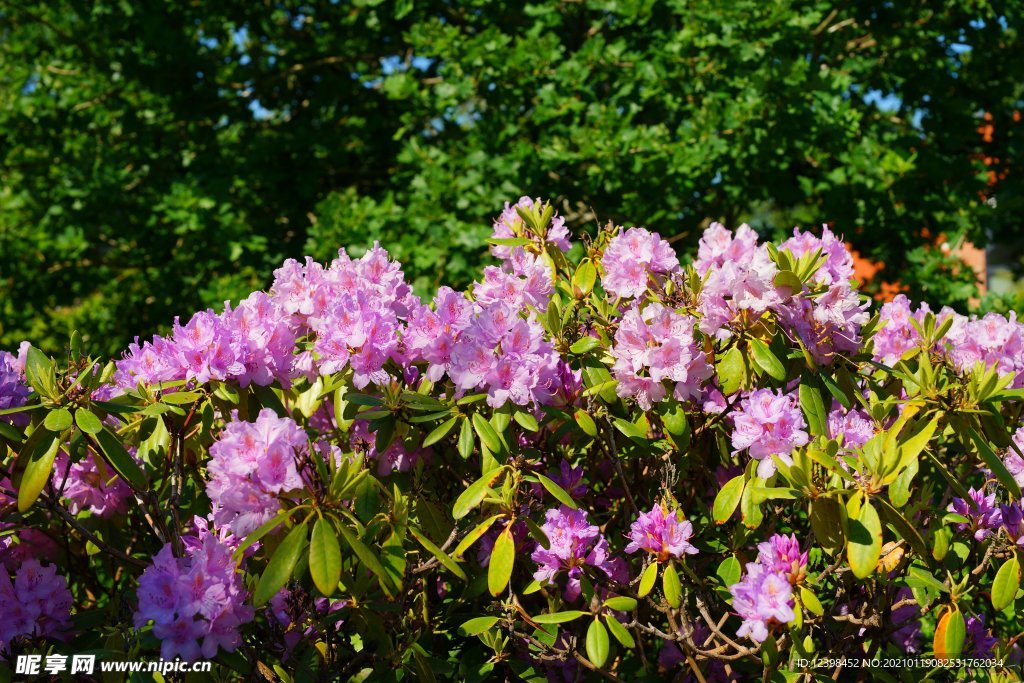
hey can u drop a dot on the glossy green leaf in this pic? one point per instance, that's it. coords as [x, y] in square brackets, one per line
[488, 437]
[440, 432]
[670, 584]
[557, 491]
[58, 420]
[1006, 584]
[281, 565]
[559, 617]
[446, 561]
[727, 499]
[620, 632]
[119, 458]
[503, 558]
[88, 422]
[621, 603]
[647, 580]
[324, 557]
[864, 542]
[598, 646]
[766, 360]
[39, 465]
[477, 625]
[476, 492]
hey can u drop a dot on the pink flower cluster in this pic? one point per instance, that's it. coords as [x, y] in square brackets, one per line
[252, 343]
[655, 345]
[37, 603]
[661, 532]
[853, 427]
[574, 544]
[633, 259]
[251, 464]
[764, 597]
[511, 225]
[983, 514]
[196, 602]
[769, 423]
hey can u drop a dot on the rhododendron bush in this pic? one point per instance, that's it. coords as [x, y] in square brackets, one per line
[596, 462]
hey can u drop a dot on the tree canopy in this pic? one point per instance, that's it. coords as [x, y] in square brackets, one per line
[159, 157]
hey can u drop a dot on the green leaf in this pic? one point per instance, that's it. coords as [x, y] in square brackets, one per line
[526, 421]
[477, 491]
[630, 429]
[597, 644]
[620, 603]
[58, 420]
[789, 280]
[559, 617]
[488, 437]
[88, 422]
[647, 580]
[729, 571]
[995, 463]
[556, 491]
[727, 499]
[584, 278]
[119, 458]
[503, 558]
[814, 409]
[864, 542]
[950, 633]
[584, 344]
[325, 557]
[38, 468]
[477, 625]
[619, 631]
[466, 440]
[766, 360]
[282, 564]
[40, 373]
[442, 557]
[261, 531]
[1006, 584]
[810, 601]
[367, 557]
[670, 584]
[585, 422]
[440, 432]
[474, 535]
[731, 370]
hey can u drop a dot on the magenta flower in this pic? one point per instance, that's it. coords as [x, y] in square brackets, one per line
[654, 346]
[769, 423]
[781, 554]
[509, 224]
[251, 464]
[574, 544]
[197, 602]
[14, 392]
[663, 533]
[981, 510]
[36, 603]
[738, 291]
[763, 598]
[633, 258]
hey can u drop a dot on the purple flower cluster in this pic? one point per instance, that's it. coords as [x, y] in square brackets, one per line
[769, 423]
[196, 602]
[632, 259]
[853, 427]
[299, 615]
[511, 225]
[897, 334]
[663, 533]
[14, 392]
[92, 485]
[764, 597]
[251, 464]
[575, 543]
[655, 345]
[981, 510]
[37, 603]
[396, 458]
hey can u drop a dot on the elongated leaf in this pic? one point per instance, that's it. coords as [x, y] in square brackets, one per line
[647, 580]
[38, 467]
[727, 499]
[814, 409]
[58, 420]
[585, 422]
[1006, 584]
[620, 632]
[584, 344]
[466, 440]
[440, 432]
[478, 625]
[994, 463]
[503, 558]
[476, 492]
[729, 571]
[261, 531]
[953, 482]
[88, 422]
[282, 564]
[120, 459]
[446, 561]
[526, 421]
[584, 278]
[732, 371]
[325, 557]
[670, 584]
[597, 644]
[620, 603]
[864, 542]
[810, 601]
[766, 360]
[559, 617]
[556, 491]
[474, 535]
[488, 437]
[950, 633]
[367, 557]
[40, 374]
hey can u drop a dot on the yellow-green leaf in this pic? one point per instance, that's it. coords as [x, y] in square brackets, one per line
[503, 558]
[325, 557]
[282, 564]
